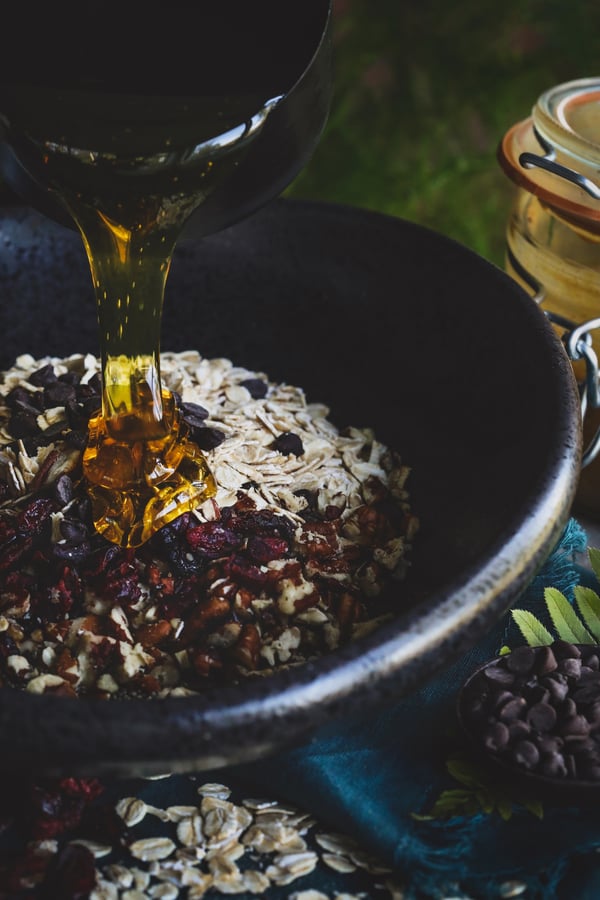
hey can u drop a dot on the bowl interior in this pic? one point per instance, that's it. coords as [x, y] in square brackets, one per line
[394, 327]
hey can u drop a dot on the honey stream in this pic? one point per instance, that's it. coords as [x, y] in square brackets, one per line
[130, 201]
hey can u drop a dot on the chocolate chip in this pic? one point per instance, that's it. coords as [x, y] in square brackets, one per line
[549, 743]
[566, 650]
[58, 393]
[553, 765]
[545, 661]
[557, 687]
[43, 376]
[207, 438]
[542, 716]
[521, 660]
[194, 414]
[575, 725]
[526, 754]
[498, 674]
[496, 737]
[288, 443]
[256, 387]
[571, 667]
[519, 729]
[513, 709]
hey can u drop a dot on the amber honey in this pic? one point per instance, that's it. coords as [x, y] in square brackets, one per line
[130, 191]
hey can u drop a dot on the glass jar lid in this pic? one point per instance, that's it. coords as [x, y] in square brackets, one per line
[555, 153]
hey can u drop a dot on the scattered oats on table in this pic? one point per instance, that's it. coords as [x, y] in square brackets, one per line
[243, 846]
[300, 551]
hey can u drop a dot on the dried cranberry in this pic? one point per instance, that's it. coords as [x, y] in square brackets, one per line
[7, 532]
[213, 539]
[56, 806]
[66, 591]
[33, 517]
[264, 522]
[265, 549]
[71, 874]
[105, 558]
[14, 551]
[18, 871]
[100, 822]
[123, 589]
[247, 572]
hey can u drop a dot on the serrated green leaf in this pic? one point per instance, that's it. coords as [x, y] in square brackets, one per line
[455, 802]
[486, 801]
[505, 808]
[569, 626]
[464, 772]
[588, 604]
[534, 632]
[535, 807]
[594, 558]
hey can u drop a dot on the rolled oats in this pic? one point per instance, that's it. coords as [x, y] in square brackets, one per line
[148, 849]
[131, 810]
[339, 863]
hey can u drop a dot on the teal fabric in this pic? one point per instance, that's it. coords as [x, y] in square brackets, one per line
[371, 775]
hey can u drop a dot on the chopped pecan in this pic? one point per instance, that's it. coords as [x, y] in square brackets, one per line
[247, 650]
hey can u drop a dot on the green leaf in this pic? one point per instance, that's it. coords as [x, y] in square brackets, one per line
[569, 626]
[594, 558]
[505, 808]
[588, 604]
[486, 801]
[464, 772]
[534, 632]
[454, 802]
[535, 807]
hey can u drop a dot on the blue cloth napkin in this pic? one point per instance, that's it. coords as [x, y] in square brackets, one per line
[369, 777]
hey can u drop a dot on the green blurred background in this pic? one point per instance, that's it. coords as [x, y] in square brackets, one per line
[424, 91]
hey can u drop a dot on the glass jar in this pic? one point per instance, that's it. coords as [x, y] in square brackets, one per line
[553, 237]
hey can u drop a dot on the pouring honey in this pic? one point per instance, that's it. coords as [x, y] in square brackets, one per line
[132, 165]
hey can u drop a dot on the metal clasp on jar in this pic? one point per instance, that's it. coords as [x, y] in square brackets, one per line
[549, 164]
[577, 340]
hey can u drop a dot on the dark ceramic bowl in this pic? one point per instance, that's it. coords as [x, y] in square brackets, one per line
[394, 327]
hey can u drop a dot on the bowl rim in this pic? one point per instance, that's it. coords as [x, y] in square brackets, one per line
[399, 654]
